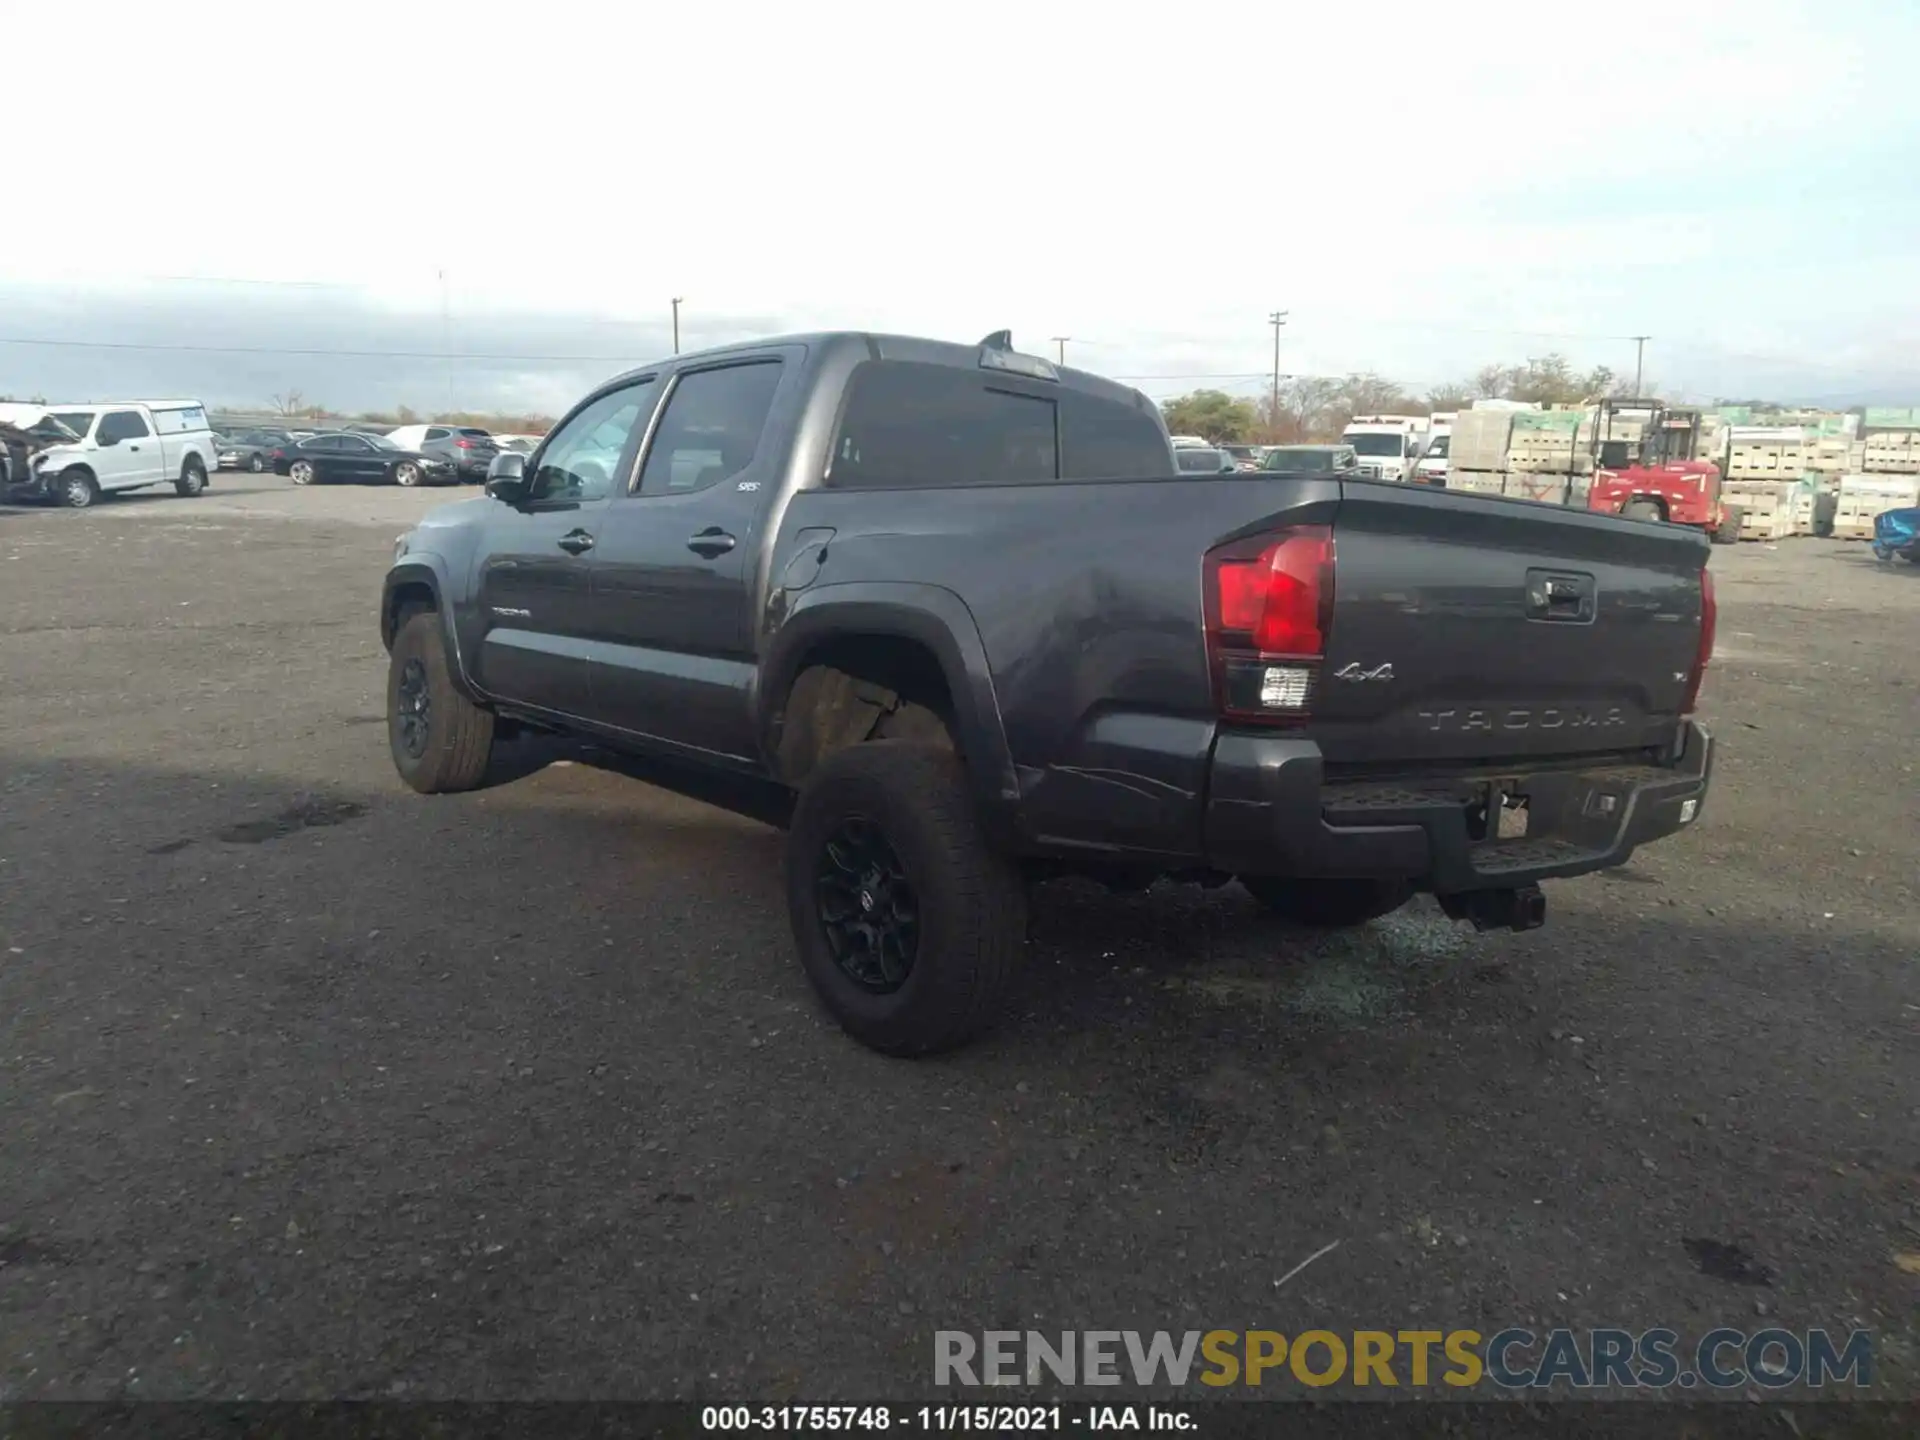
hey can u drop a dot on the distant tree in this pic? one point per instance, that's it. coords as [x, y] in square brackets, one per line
[1212, 413]
[1449, 397]
[1305, 401]
[405, 416]
[1552, 380]
[290, 404]
[1366, 394]
[1490, 382]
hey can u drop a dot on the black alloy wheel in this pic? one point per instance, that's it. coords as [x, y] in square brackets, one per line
[867, 906]
[413, 710]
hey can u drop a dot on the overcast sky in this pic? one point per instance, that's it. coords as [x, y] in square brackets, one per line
[1423, 188]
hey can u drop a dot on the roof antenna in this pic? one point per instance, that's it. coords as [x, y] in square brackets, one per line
[998, 340]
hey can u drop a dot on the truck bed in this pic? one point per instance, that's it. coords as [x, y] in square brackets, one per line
[1492, 634]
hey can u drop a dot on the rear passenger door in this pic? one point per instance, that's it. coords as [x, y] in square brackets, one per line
[674, 564]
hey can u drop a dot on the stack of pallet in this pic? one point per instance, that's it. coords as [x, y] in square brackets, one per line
[1773, 509]
[1771, 453]
[1552, 442]
[1478, 445]
[1892, 452]
[1835, 455]
[1864, 496]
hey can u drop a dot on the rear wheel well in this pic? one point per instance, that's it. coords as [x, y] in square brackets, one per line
[854, 688]
[406, 600]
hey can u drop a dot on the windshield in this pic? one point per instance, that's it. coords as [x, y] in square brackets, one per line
[1438, 449]
[78, 421]
[474, 434]
[379, 442]
[1394, 444]
[1193, 460]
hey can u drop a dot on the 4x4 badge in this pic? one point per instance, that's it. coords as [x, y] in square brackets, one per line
[1359, 674]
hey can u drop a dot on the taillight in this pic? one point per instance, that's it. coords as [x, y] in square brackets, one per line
[1269, 608]
[1709, 617]
[463, 444]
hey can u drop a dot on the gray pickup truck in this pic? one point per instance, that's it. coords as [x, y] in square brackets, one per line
[957, 606]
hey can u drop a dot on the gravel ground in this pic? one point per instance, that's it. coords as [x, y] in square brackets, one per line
[312, 1087]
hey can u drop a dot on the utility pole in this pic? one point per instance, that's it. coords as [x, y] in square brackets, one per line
[676, 324]
[1639, 361]
[1276, 319]
[1060, 344]
[446, 339]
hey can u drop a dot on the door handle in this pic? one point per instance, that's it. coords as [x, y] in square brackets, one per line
[576, 542]
[711, 542]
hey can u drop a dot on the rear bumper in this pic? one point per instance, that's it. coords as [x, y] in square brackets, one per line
[1271, 811]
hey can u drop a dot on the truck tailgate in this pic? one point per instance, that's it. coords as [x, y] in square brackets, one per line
[1473, 629]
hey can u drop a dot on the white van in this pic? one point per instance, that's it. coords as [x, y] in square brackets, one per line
[128, 445]
[1387, 445]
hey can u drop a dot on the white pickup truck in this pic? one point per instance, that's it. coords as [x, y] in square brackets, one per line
[123, 445]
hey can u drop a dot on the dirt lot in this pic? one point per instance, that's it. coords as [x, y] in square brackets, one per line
[310, 1086]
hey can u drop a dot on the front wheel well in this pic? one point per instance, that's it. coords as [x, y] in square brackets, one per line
[854, 688]
[408, 598]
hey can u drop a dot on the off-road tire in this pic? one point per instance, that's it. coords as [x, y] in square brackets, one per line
[193, 479]
[1642, 510]
[77, 489]
[459, 734]
[1328, 904]
[1729, 529]
[970, 900]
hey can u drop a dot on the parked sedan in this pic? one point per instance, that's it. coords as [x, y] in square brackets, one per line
[251, 449]
[344, 456]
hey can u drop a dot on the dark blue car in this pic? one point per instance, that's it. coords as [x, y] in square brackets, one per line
[1896, 533]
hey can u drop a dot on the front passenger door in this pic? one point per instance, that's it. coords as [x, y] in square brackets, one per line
[128, 454]
[532, 584]
[356, 460]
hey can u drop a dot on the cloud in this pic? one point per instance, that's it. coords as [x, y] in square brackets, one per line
[1423, 191]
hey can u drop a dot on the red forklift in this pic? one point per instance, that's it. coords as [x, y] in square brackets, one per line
[1659, 475]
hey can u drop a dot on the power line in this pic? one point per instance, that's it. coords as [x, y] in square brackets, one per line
[306, 351]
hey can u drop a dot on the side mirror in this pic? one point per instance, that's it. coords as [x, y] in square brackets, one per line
[507, 465]
[105, 442]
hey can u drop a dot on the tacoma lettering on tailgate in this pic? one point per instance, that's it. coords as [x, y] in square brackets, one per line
[1550, 717]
